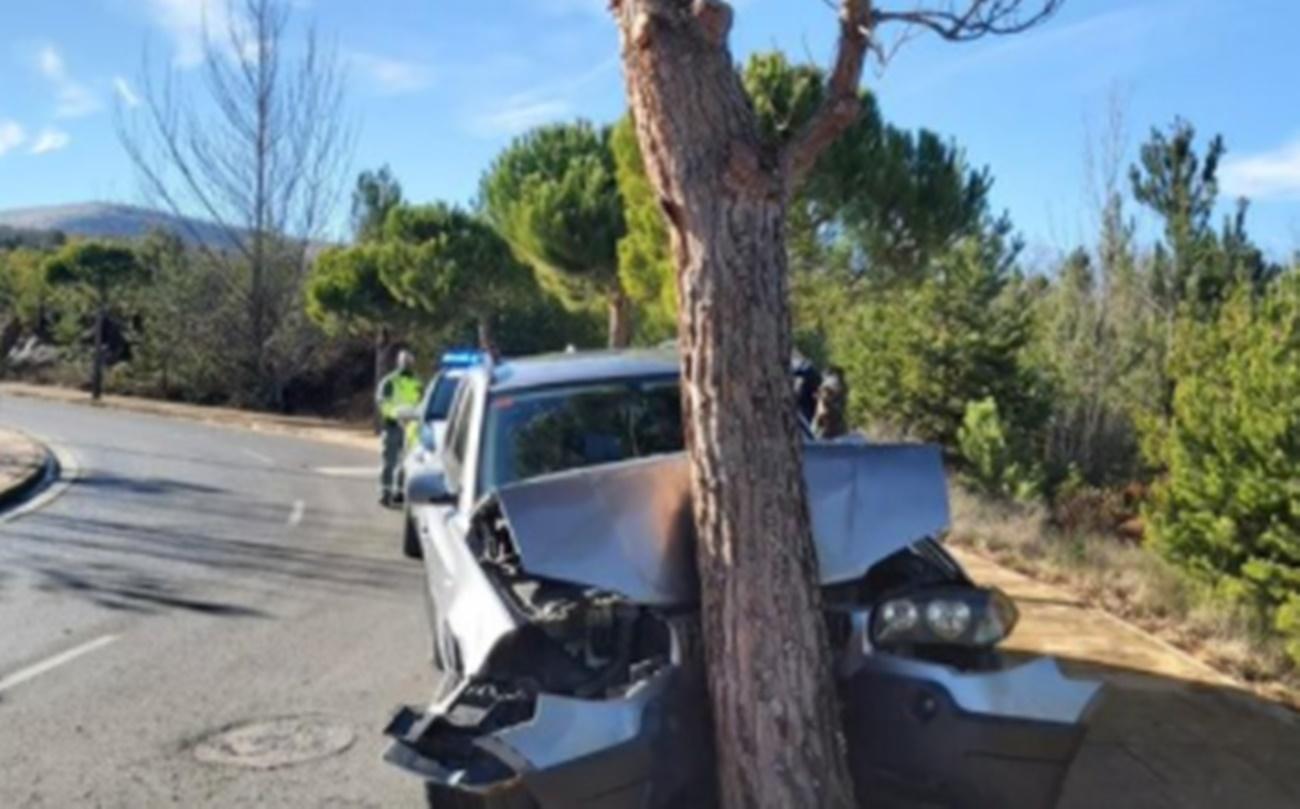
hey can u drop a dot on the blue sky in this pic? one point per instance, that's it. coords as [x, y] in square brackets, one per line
[438, 86]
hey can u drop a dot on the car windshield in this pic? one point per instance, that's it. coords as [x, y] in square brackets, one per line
[533, 433]
[444, 391]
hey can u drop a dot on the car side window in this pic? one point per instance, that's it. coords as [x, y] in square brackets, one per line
[458, 435]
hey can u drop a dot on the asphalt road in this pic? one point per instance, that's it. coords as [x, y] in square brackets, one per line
[191, 579]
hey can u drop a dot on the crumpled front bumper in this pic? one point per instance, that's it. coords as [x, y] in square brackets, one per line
[919, 734]
[602, 754]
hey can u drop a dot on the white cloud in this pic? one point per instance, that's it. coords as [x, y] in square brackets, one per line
[50, 63]
[516, 115]
[50, 140]
[1271, 174]
[125, 92]
[391, 76]
[72, 98]
[539, 105]
[185, 21]
[12, 136]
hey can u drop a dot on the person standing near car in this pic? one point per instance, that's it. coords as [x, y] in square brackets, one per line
[396, 398]
[829, 422]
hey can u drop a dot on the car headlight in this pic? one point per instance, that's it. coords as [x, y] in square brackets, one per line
[966, 616]
[895, 619]
[949, 619]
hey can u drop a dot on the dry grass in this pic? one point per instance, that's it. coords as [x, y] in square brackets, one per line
[1132, 582]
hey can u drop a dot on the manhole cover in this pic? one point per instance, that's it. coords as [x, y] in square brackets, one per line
[272, 743]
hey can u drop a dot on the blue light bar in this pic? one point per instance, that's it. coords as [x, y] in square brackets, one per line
[461, 359]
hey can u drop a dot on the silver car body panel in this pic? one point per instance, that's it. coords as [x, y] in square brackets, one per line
[1035, 690]
[474, 614]
[628, 527]
[564, 729]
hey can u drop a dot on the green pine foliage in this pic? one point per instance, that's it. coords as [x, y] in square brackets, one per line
[916, 355]
[993, 462]
[645, 266]
[1228, 507]
[553, 196]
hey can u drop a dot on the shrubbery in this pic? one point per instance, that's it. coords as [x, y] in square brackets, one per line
[1228, 508]
[915, 355]
[993, 463]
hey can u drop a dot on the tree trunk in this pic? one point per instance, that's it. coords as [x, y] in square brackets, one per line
[381, 349]
[620, 318]
[776, 713]
[485, 333]
[97, 363]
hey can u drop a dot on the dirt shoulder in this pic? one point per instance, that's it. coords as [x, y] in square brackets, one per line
[22, 463]
[1056, 622]
[316, 429]
[1170, 730]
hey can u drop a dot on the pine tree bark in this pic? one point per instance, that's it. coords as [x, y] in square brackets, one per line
[724, 194]
[776, 714]
[97, 363]
[620, 318]
[382, 340]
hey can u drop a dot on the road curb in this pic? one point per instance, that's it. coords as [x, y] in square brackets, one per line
[39, 476]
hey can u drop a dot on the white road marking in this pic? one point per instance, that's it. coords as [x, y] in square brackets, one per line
[295, 516]
[257, 456]
[348, 471]
[51, 663]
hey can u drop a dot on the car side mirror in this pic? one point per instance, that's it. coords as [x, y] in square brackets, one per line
[430, 487]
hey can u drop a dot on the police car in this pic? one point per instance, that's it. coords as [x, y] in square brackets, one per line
[422, 453]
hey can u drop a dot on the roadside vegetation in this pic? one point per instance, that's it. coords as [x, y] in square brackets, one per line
[1124, 417]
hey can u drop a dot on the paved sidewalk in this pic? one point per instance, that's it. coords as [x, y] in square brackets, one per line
[1171, 732]
[22, 461]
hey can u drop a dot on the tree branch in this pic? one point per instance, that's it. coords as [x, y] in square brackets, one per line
[980, 18]
[842, 104]
[859, 21]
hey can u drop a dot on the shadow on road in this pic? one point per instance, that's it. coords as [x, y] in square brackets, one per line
[1162, 743]
[149, 543]
[122, 589]
[119, 484]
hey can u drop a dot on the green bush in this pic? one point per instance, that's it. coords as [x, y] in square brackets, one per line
[1228, 507]
[992, 462]
[915, 355]
[1287, 621]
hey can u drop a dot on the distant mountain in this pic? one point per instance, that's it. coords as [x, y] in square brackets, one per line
[110, 220]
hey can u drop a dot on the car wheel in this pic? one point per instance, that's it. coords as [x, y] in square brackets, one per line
[411, 539]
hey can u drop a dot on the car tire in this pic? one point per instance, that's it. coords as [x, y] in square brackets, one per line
[411, 539]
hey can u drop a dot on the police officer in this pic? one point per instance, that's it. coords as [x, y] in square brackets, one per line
[396, 398]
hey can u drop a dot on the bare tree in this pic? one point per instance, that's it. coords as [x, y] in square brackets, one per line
[261, 153]
[725, 192]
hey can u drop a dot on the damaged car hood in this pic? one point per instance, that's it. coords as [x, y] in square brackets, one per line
[628, 527]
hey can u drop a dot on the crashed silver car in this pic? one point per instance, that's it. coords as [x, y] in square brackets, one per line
[559, 560]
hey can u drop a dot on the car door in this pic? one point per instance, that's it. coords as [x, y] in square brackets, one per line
[466, 615]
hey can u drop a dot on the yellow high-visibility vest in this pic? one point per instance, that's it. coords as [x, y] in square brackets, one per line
[398, 390]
